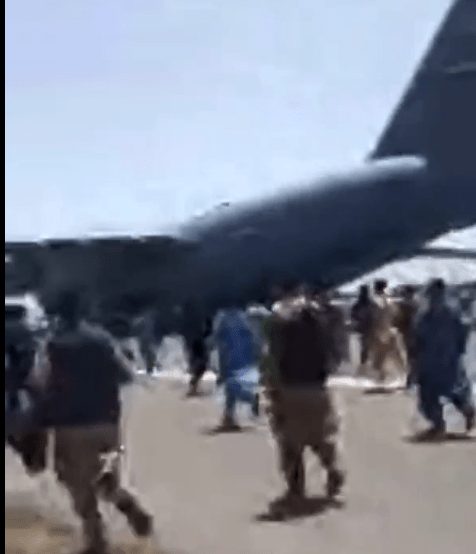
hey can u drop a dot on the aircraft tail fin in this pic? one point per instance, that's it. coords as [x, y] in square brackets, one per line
[436, 117]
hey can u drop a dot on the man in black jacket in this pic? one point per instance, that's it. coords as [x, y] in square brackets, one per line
[361, 317]
[77, 376]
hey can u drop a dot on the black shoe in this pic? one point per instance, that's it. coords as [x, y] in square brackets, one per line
[140, 522]
[435, 433]
[286, 503]
[228, 423]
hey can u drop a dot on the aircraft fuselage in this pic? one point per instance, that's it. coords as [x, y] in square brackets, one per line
[333, 230]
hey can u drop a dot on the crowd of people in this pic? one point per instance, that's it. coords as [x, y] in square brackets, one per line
[398, 330]
[427, 340]
[294, 345]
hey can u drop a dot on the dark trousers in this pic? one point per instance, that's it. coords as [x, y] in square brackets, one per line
[148, 354]
[198, 367]
[236, 391]
[411, 375]
[431, 394]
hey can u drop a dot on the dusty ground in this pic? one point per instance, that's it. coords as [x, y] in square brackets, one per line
[207, 491]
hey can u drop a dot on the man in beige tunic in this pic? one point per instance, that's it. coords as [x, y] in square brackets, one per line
[383, 339]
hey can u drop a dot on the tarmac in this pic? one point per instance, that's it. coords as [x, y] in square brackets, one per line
[210, 493]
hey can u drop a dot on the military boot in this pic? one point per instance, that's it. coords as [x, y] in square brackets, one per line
[140, 521]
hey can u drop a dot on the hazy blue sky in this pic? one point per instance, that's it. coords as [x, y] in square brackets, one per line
[129, 115]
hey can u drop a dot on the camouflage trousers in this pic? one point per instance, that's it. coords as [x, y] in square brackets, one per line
[379, 351]
[86, 462]
[301, 417]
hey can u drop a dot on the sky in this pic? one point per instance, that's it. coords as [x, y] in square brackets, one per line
[129, 116]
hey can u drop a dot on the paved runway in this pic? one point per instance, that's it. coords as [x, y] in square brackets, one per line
[207, 491]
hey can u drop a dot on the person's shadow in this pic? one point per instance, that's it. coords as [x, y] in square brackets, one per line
[201, 393]
[227, 430]
[281, 509]
[425, 437]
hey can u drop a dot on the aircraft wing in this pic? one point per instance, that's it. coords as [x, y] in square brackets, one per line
[103, 266]
[436, 117]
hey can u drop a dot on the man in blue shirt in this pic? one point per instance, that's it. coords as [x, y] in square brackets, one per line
[238, 351]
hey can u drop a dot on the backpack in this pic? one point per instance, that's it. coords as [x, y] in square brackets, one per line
[302, 343]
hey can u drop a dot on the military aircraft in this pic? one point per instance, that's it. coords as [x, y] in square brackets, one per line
[418, 183]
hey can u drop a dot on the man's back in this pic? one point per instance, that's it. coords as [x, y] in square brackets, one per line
[440, 339]
[235, 340]
[302, 335]
[383, 317]
[361, 315]
[82, 380]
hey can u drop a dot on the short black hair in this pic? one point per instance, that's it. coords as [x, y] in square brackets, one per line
[380, 285]
[436, 287]
[409, 289]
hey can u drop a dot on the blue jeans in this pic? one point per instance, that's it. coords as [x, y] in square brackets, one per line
[238, 389]
[431, 395]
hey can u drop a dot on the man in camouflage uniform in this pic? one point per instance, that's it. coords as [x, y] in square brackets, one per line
[383, 338]
[299, 353]
[78, 374]
[407, 310]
